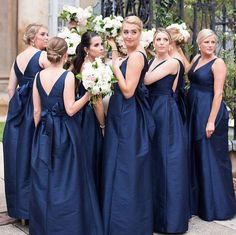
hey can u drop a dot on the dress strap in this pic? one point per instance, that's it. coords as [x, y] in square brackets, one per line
[162, 62]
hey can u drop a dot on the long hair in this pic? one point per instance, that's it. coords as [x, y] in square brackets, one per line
[81, 54]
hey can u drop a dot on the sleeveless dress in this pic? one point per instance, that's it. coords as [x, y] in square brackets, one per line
[180, 94]
[169, 160]
[93, 139]
[63, 196]
[17, 141]
[127, 192]
[212, 184]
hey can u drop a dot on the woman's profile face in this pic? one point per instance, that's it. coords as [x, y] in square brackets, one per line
[41, 39]
[161, 42]
[131, 35]
[96, 48]
[208, 45]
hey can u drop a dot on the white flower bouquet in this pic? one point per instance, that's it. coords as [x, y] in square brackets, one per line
[78, 15]
[147, 38]
[71, 37]
[109, 26]
[97, 78]
[182, 29]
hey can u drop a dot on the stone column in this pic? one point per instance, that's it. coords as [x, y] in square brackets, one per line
[8, 41]
[31, 11]
[85, 3]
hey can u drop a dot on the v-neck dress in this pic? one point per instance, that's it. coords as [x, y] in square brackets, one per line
[63, 196]
[17, 141]
[127, 183]
[169, 160]
[212, 191]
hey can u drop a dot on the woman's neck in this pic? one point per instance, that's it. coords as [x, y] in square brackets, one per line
[205, 56]
[162, 56]
[132, 49]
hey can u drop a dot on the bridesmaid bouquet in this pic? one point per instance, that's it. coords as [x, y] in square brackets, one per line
[97, 78]
[78, 15]
[71, 37]
[182, 29]
[109, 26]
[147, 38]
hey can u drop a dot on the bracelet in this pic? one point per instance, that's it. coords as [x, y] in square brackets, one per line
[114, 49]
[102, 126]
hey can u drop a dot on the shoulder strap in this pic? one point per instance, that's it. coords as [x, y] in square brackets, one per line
[159, 64]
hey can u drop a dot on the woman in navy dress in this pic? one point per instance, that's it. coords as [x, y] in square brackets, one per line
[63, 196]
[19, 129]
[169, 157]
[127, 192]
[92, 116]
[177, 39]
[208, 132]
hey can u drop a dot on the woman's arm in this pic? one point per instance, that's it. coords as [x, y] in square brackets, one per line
[168, 67]
[43, 60]
[134, 68]
[219, 71]
[36, 103]
[71, 105]
[13, 82]
[114, 50]
[99, 112]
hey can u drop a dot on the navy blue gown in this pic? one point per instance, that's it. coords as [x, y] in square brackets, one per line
[63, 196]
[127, 192]
[17, 141]
[93, 140]
[169, 160]
[180, 94]
[212, 185]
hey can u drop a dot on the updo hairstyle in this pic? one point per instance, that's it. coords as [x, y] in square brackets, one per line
[205, 33]
[31, 31]
[133, 20]
[162, 30]
[56, 49]
[176, 36]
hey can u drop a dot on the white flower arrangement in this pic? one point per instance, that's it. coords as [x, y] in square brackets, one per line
[182, 29]
[79, 15]
[109, 26]
[71, 37]
[121, 45]
[147, 38]
[97, 78]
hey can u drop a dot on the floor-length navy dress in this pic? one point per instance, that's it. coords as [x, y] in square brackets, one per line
[63, 196]
[169, 160]
[180, 94]
[93, 139]
[127, 192]
[17, 141]
[212, 185]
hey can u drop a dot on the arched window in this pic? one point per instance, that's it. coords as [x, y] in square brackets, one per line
[55, 7]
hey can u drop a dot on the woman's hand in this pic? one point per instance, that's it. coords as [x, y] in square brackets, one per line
[118, 63]
[210, 128]
[112, 43]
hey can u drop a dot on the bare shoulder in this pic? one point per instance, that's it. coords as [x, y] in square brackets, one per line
[195, 58]
[172, 62]
[70, 76]
[136, 55]
[219, 62]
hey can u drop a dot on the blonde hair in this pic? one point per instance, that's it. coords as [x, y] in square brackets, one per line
[176, 36]
[31, 31]
[56, 49]
[162, 30]
[205, 33]
[133, 20]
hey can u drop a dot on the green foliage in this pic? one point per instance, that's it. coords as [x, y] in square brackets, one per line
[2, 124]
